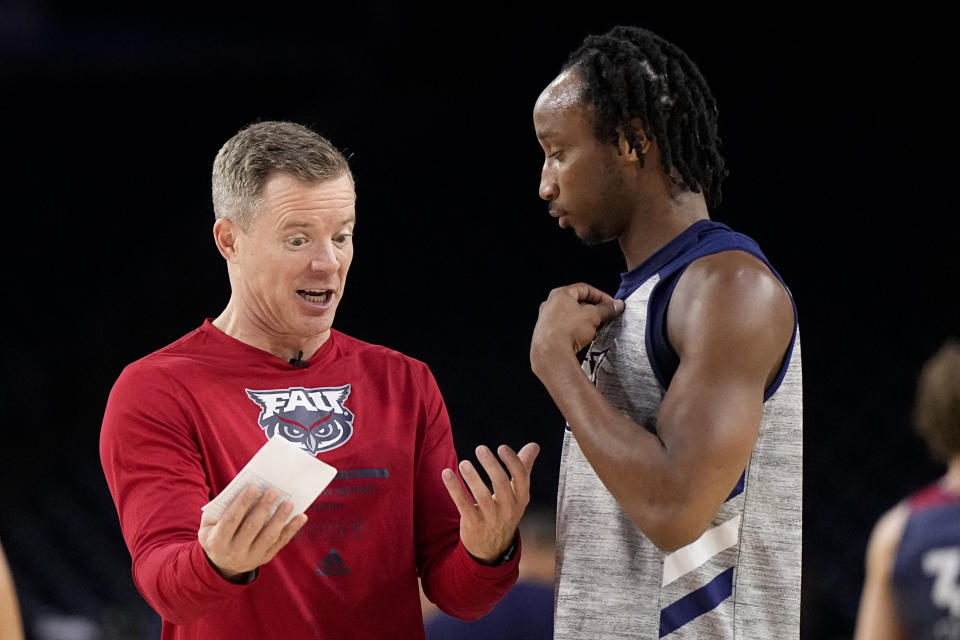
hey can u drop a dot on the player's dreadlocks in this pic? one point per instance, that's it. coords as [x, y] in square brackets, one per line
[632, 73]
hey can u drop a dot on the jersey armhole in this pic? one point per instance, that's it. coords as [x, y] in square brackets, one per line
[664, 359]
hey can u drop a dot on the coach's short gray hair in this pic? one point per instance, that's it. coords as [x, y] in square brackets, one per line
[248, 159]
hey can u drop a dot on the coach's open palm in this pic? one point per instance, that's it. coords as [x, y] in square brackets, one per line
[487, 526]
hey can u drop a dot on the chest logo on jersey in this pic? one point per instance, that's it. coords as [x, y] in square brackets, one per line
[594, 359]
[316, 419]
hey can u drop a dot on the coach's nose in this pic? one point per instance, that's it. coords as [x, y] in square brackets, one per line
[324, 259]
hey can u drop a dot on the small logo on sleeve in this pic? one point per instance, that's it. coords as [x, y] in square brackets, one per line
[317, 419]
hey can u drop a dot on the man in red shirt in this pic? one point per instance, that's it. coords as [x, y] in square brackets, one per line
[181, 422]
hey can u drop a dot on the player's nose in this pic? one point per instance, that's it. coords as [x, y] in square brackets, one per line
[548, 185]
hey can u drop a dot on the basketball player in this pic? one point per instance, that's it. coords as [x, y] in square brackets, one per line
[181, 422]
[912, 588]
[679, 507]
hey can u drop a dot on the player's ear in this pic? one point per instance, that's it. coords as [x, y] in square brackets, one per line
[644, 141]
[225, 235]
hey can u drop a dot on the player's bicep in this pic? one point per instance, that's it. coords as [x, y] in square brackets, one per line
[708, 424]
[730, 322]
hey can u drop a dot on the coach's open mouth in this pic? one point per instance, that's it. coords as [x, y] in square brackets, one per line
[316, 296]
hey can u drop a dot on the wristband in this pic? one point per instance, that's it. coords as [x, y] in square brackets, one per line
[504, 558]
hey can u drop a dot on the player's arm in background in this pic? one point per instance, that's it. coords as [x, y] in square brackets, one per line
[11, 626]
[731, 321]
[877, 618]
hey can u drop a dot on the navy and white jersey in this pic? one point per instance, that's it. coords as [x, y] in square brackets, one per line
[926, 570]
[741, 579]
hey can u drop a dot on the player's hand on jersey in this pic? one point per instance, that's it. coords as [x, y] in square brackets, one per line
[568, 321]
[244, 538]
[488, 521]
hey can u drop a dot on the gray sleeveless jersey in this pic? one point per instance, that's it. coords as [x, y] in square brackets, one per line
[741, 579]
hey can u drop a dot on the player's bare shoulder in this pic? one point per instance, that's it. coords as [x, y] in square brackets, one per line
[731, 299]
[886, 536]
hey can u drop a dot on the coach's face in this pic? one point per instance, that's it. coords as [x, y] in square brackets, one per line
[289, 269]
[582, 177]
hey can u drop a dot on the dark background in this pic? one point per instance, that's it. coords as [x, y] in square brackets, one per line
[839, 127]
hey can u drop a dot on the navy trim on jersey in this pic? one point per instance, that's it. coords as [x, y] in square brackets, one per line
[702, 238]
[696, 603]
[738, 489]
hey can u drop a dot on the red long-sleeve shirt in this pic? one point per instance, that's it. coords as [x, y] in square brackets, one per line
[181, 422]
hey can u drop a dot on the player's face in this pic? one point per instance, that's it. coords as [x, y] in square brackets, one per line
[292, 263]
[581, 177]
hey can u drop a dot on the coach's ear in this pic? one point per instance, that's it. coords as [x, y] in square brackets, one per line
[226, 234]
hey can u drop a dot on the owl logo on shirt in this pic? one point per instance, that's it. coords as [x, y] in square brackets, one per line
[316, 419]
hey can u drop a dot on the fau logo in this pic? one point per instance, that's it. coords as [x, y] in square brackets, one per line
[316, 419]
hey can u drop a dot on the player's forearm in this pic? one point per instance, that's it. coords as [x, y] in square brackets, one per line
[877, 616]
[633, 463]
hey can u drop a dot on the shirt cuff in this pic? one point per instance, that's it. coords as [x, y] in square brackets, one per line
[209, 575]
[504, 564]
